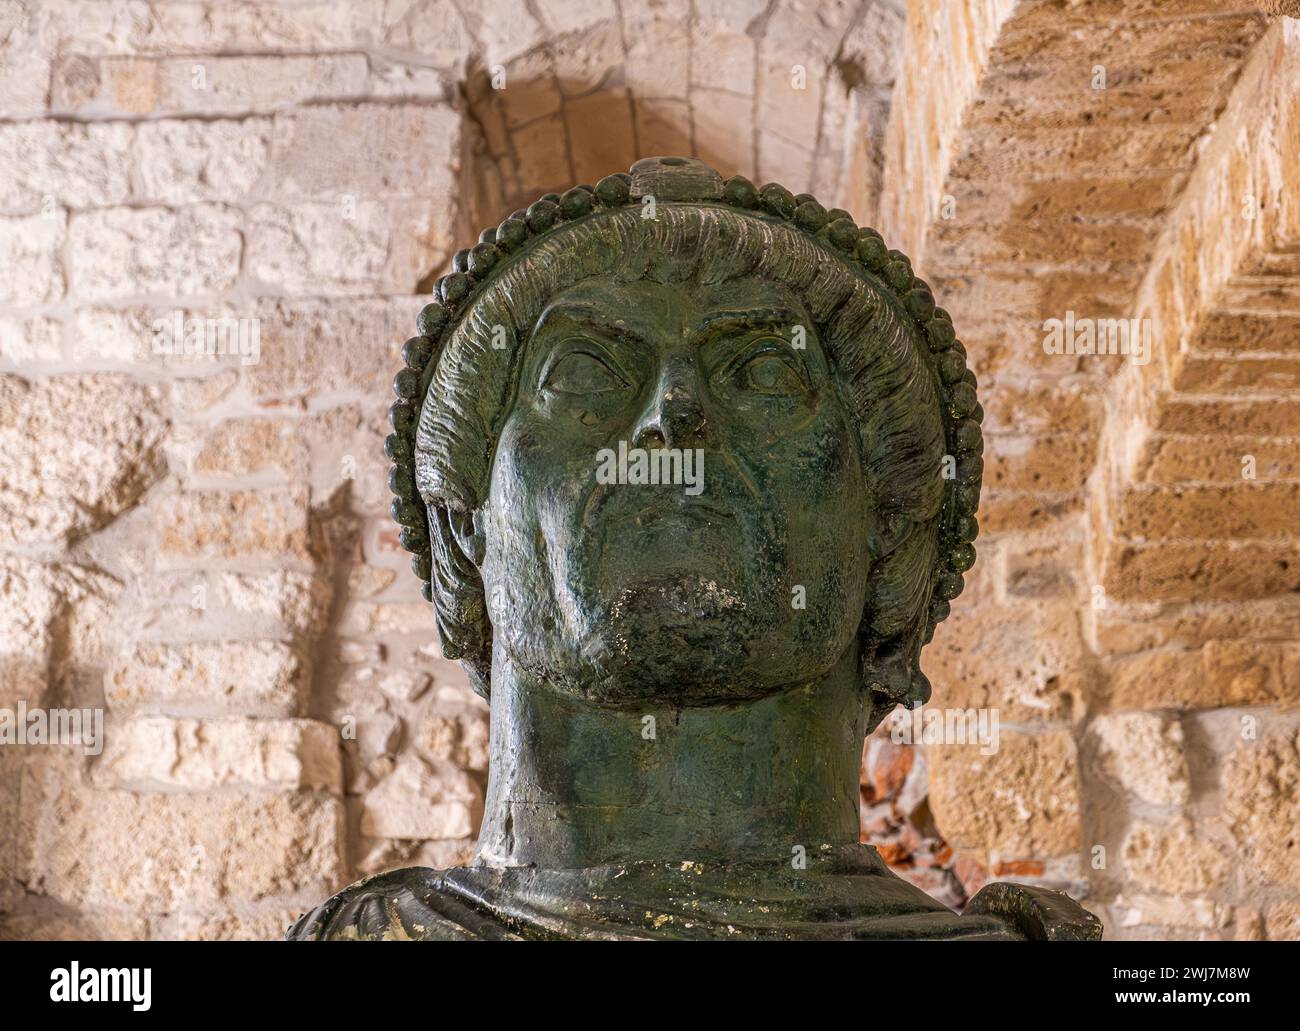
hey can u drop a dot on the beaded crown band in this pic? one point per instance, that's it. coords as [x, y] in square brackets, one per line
[669, 180]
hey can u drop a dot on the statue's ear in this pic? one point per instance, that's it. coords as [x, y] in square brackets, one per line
[890, 531]
[459, 605]
[891, 675]
[466, 527]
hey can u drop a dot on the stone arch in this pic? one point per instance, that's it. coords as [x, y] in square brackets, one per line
[775, 92]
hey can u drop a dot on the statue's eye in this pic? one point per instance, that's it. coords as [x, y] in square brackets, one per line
[770, 372]
[584, 374]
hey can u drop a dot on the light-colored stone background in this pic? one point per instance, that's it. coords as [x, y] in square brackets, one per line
[200, 545]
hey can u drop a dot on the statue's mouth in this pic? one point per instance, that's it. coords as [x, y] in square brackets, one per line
[685, 507]
[654, 505]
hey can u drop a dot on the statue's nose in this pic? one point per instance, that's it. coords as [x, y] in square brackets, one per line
[675, 416]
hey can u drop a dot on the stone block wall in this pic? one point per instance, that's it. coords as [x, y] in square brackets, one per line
[1137, 616]
[197, 544]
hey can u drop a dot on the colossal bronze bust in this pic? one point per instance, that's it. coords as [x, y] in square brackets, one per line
[690, 471]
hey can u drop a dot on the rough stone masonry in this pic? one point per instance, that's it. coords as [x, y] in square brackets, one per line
[218, 220]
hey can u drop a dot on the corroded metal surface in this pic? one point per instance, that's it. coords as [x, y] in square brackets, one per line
[682, 667]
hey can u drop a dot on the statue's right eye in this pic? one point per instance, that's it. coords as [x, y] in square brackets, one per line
[582, 373]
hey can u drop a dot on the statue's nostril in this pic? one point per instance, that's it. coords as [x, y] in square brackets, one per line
[650, 439]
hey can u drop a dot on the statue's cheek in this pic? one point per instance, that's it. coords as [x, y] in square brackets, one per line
[817, 460]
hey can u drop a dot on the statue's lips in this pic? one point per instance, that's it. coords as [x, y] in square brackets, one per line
[636, 527]
[689, 509]
[657, 504]
[666, 555]
[679, 531]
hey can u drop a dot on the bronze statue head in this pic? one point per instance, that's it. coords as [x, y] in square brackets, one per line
[668, 311]
[690, 471]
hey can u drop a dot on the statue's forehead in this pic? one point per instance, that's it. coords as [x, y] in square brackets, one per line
[646, 305]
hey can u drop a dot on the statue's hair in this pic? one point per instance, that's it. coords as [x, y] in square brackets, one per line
[907, 404]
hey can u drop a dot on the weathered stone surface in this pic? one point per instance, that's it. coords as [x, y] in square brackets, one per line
[1171, 458]
[1282, 922]
[1202, 571]
[186, 339]
[44, 163]
[457, 736]
[1237, 512]
[43, 926]
[226, 85]
[377, 733]
[1173, 858]
[407, 617]
[1044, 572]
[248, 678]
[347, 247]
[125, 252]
[346, 454]
[240, 448]
[1142, 753]
[417, 800]
[1261, 783]
[1249, 671]
[247, 923]
[296, 600]
[31, 340]
[24, 63]
[198, 393]
[1020, 803]
[540, 167]
[181, 850]
[535, 95]
[365, 581]
[1229, 672]
[601, 125]
[66, 477]
[189, 27]
[51, 611]
[443, 854]
[1028, 660]
[367, 151]
[1046, 462]
[1226, 373]
[1021, 69]
[1123, 629]
[404, 685]
[157, 752]
[191, 161]
[586, 61]
[234, 525]
[29, 248]
[1288, 8]
[506, 31]
[11, 772]
[440, 36]
[1197, 914]
[21, 680]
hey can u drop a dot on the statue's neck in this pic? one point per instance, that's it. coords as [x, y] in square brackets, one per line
[572, 784]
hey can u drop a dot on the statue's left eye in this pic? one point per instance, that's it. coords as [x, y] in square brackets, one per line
[770, 373]
[582, 373]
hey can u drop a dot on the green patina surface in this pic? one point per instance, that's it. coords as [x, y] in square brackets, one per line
[682, 674]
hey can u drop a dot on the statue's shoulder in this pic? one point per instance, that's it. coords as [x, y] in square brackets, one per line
[415, 904]
[1040, 914]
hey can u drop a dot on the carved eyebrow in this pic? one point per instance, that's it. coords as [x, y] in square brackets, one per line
[717, 323]
[592, 317]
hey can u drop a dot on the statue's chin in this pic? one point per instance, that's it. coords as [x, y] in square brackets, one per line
[671, 638]
[669, 682]
[679, 599]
